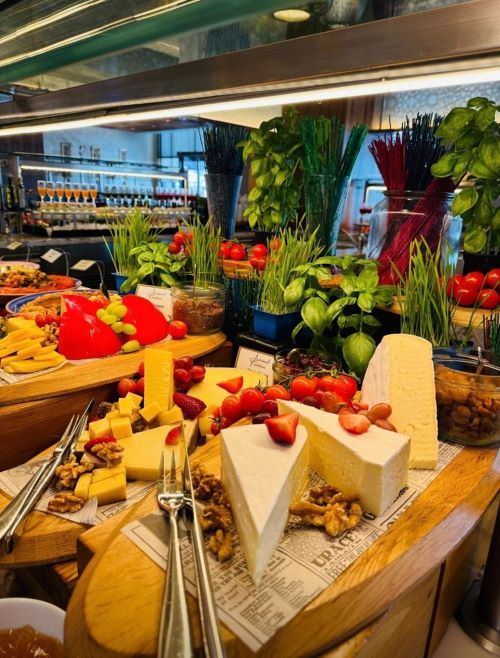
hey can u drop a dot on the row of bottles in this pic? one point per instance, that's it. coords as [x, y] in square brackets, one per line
[12, 196]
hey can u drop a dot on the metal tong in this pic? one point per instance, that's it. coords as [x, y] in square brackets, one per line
[20, 506]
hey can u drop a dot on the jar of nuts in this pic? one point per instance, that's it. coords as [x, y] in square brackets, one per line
[468, 401]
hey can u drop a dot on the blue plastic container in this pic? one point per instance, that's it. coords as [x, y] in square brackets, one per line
[274, 327]
[119, 281]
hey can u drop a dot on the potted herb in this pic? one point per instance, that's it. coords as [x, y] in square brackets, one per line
[340, 317]
[273, 317]
[155, 266]
[473, 135]
[126, 235]
[200, 303]
[274, 151]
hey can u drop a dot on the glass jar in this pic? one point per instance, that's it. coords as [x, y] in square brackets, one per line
[401, 217]
[200, 307]
[468, 402]
[290, 363]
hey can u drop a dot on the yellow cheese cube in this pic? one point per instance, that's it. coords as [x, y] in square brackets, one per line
[135, 399]
[125, 407]
[171, 416]
[209, 410]
[150, 411]
[109, 487]
[82, 486]
[113, 414]
[105, 473]
[120, 427]
[158, 377]
[12, 324]
[99, 428]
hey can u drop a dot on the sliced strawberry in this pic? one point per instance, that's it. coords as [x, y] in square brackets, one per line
[232, 385]
[354, 423]
[283, 429]
[189, 405]
[359, 406]
[332, 401]
[93, 442]
[172, 438]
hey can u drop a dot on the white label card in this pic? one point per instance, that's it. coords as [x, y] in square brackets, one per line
[83, 265]
[255, 361]
[14, 245]
[159, 297]
[51, 255]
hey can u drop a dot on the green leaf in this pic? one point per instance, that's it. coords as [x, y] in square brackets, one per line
[350, 321]
[495, 222]
[485, 117]
[468, 140]
[478, 169]
[328, 260]
[445, 165]
[453, 124]
[168, 279]
[254, 194]
[313, 313]
[337, 307]
[464, 200]
[371, 321]
[253, 219]
[310, 292]
[255, 166]
[384, 294]
[294, 291]
[145, 270]
[483, 210]
[322, 273]
[461, 166]
[366, 302]
[489, 152]
[477, 102]
[301, 269]
[349, 283]
[358, 349]
[323, 295]
[367, 279]
[298, 328]
[475, 239]
[280, 178]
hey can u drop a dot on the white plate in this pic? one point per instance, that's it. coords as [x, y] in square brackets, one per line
[43, 617]
[19, 263]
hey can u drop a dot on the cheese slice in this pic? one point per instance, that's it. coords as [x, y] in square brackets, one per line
[262, 479]
[401, 373]
[142, 451]
[108, 485]
[158, 377]
[372, 466]
[211, 394]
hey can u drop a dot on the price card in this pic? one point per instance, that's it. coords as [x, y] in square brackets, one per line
[83, 265]
[159, 297]
[14, 245]
[51, 255]
[255, 361]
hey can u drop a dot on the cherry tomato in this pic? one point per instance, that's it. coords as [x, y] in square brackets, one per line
[140, 369]
[493, 278]
[179, 238]
[231, 407]
[453, 283]
[225, 250]
[174, 248]
[181, 375]
[40, 320]
[350, 383]
[488, 298]
[302, 387]
[465, 295]
[50, 318]
[252, 400]
[125, 386]
[335, 385]
[259, 250]
[185, 362]
[258, 263]
[270, 407]
[177, 329]
[274, 244]
[277, 392]
[237, 252]
[475, 279]
[197, 373]
[139, 386]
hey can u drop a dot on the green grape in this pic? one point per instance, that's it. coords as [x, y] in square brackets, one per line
[131, 346]
[108, 318]
[117, 327]
[129, 329]
[120, 310]
[100, 312]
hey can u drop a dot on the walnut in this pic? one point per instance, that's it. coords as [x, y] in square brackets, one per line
[340, 512]
[65, 502]
[208, 488]
[68, 473]
[111, 453]
[216, 517]
[139, 425]
[221, 545]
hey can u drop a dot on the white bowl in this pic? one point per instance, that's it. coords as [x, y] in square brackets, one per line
[43, 617]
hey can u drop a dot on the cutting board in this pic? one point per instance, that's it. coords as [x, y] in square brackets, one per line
[121, 585]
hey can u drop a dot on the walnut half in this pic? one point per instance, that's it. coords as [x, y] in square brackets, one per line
[329, 509]
[221, 545]
[111, 453]
[67, 474]
[65, 502]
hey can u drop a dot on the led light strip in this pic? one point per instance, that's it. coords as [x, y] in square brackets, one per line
[102, 172]
[382, 86]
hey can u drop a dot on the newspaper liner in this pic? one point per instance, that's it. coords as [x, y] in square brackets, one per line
[303, 565]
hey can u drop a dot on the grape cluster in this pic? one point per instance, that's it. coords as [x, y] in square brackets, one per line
[113, 315]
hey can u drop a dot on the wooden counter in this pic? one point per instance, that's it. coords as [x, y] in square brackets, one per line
[33, 413]
[394, 595]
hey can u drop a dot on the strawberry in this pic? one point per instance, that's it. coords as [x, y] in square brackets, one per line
[232, 385]
[93, 442]
[189, 405]
[173, 436]
[282, 429]
[354, 423]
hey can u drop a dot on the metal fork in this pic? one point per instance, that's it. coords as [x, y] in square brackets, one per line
[175, 639]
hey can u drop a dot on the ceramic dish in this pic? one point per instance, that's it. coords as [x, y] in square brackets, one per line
[8, 264]
[16, 306]
[60, 283]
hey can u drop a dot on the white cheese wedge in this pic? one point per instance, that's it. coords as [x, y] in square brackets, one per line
[401, 373]
[373, 465]
[210, 393]
[262, 479]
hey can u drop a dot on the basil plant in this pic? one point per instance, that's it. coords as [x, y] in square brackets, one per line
[473, 134]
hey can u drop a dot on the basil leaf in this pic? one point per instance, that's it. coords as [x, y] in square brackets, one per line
[454, 123]
[366, 302]
[301, 269]
[168, 279]
[464, 200]
[475, 239]
[313, 313]
[350, 321]
[254, 194]
[445, 165]
[477, 102]
[367, 279]
[371, 321]
[322, 273]
[478, 169]
[298, 328]
[280, 178]
[495, 222]
[336, 308]
[489, 152]
[323, 295]
[485, 117]
[468, 140]
[328, 260]
[483, 210]
[255, 166]
[349, 283]
[293, 291]
[357, 350]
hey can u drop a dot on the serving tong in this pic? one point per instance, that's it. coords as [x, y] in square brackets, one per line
[22, 504]
[175, 492]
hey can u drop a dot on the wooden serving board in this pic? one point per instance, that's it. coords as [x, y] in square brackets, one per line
[74, 377]
[102, 618]
[462, 317]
